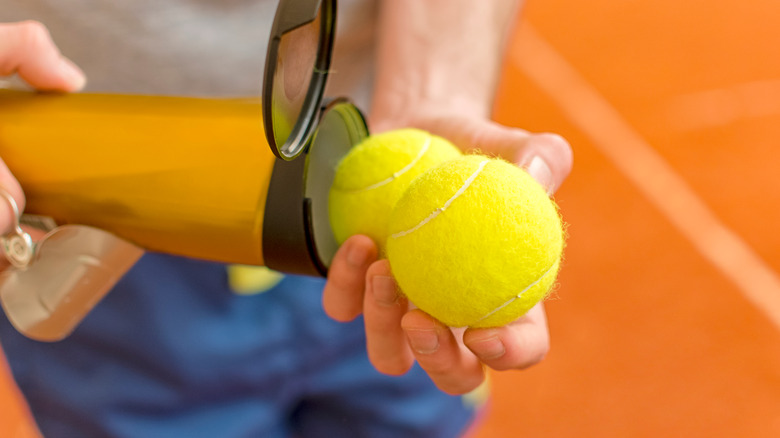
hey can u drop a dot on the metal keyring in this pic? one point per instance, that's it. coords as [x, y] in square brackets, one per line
[17, 245]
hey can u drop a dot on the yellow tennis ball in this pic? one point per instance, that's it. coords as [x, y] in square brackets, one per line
[475, 242]
[370, 179]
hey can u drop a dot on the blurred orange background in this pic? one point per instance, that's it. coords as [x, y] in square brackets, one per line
[667, 316]
[666, 321]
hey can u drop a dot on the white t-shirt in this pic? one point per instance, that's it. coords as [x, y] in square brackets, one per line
[191, 47]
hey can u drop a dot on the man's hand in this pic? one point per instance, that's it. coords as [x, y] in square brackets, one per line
[26, 49]
[397, 336]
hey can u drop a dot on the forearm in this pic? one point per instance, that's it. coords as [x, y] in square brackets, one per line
[438, 58]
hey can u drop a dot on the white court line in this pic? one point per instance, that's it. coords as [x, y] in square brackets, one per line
[722, 106]
[638, 161]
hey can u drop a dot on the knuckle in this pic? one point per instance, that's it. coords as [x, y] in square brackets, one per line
[343, 280]
[381, 321]
[437, 364]
[24, 40]
[338, 282]
[339, 304]
[34, 34]
[392, 366]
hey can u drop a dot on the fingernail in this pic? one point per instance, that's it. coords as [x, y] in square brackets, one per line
[541, 172]
[357, 256]
[489, 347]
[423, 341]
[385, 291]
[73, 74]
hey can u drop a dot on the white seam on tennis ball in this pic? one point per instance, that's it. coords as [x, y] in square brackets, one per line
[400, 172]
[446, 205]
[511, 300]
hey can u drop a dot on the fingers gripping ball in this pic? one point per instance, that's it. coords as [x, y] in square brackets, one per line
[475, 242]
[371, 178]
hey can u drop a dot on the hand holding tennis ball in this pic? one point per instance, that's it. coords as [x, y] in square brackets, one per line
[473, 241]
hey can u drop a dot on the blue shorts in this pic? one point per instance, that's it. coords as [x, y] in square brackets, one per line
[172, 352]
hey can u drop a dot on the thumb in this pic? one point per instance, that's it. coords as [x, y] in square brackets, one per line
[26, 48]
[547, 157]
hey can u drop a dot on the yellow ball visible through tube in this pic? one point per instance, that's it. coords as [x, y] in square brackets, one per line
[475, 242]
[371, 178]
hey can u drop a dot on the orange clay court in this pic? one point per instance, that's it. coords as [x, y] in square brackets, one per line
[667, 319]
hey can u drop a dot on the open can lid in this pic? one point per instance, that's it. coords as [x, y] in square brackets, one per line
[296, 70]
[297, 236]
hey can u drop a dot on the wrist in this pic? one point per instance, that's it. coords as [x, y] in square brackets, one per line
[395, 112]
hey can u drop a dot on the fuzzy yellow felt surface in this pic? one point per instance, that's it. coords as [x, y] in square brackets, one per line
[249, 280]
[475, 242]
[371, 178]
